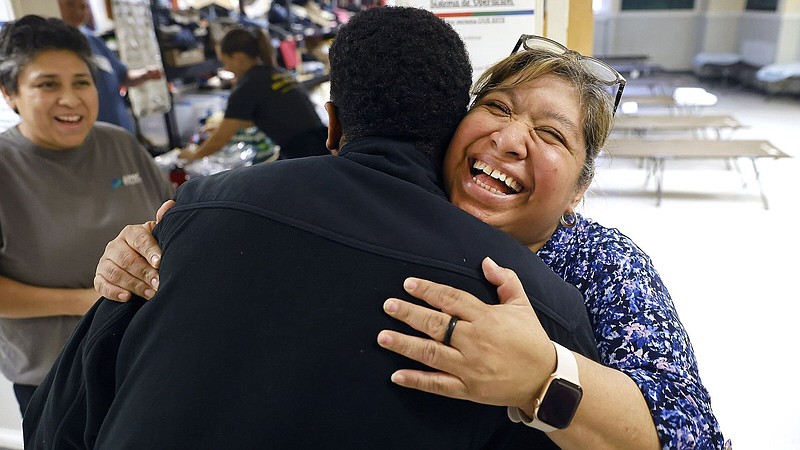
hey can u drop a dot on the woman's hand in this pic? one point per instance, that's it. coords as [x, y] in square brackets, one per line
[498, 354]
[188, 153]
[130, 262]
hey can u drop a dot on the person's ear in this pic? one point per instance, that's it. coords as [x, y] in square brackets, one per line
[334, 140]
[10, 99]
[576, 198]
[569, 218]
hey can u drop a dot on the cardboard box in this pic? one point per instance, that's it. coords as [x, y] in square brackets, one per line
[177, 58]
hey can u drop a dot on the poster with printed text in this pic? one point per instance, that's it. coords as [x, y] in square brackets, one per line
[489, 28]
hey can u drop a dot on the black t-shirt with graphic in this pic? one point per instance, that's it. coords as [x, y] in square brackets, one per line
[272, 99]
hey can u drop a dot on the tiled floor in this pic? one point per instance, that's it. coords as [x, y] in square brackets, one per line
[729, 264]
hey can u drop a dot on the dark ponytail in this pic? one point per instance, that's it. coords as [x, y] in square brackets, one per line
[254, 43]
[265, 49]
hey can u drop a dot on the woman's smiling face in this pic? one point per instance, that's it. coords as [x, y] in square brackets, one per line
[56, 99]
[515, 159]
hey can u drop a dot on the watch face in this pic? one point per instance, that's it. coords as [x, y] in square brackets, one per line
[559, 403]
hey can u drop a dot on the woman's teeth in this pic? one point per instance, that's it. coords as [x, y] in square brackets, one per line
[497, 175]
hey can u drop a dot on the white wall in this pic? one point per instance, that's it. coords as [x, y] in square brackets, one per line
[789, 37]
[10, 418]
[6, 12]
[672, 38]
[720, 31]
[11, 9]
[47, 8]
[758, 37]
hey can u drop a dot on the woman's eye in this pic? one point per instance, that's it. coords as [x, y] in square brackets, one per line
[83, 83]
[550, 134]
[498, 107]
[47, 85]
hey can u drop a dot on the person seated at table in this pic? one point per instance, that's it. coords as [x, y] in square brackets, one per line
[538, 122]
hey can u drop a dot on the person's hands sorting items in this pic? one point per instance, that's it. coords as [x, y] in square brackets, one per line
[188, 153]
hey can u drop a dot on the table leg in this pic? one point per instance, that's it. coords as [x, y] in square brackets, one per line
[658, 169]
[760, 187]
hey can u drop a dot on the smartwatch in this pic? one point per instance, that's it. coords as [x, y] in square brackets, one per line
[558, 401]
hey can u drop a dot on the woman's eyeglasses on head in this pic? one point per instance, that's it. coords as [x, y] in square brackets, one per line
[598, 68]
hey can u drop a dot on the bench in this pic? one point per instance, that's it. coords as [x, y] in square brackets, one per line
[685, 100]
[634, 65]
[640, 125]
[656, 152]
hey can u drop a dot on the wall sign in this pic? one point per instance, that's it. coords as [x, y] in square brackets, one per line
[489, 28]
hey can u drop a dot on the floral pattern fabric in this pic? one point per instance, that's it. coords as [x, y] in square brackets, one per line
[637, 328]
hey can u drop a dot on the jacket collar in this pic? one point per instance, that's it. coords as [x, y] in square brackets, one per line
[396, 158]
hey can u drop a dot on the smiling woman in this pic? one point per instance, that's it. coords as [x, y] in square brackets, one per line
[56, 100]
[63, 193]
[521, 160]
[527, 137]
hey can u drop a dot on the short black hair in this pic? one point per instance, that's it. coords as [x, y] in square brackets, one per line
[400, 72]
[23, 39]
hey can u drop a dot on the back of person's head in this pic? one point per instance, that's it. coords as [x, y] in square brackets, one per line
[596, 102]
[22, 40]
[254, 43]
[400, 73]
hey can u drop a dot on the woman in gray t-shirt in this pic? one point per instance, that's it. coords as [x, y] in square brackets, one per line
[67, 186]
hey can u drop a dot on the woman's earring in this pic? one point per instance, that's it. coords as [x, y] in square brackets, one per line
[569, 219]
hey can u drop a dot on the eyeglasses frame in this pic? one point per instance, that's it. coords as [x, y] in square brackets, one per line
[620, 81]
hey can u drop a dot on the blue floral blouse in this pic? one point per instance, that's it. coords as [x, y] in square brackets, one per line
[637, 328]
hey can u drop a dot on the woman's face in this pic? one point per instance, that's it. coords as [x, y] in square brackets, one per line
[74, 12]
[530, 139]
[226, 60]
[56, 99]
[237, 62]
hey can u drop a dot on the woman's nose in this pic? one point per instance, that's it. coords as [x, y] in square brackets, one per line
[69, 97]
[513, 138]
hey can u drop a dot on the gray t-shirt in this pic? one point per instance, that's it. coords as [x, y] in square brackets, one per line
[58, 210]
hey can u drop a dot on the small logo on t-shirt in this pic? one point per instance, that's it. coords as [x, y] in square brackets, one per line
[127, 180]
[284, 82]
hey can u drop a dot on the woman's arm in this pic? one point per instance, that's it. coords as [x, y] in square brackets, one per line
[501, 356]
[137, 77]
[21, 301]
[612, 415]
[640, 334]
[218, 139]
